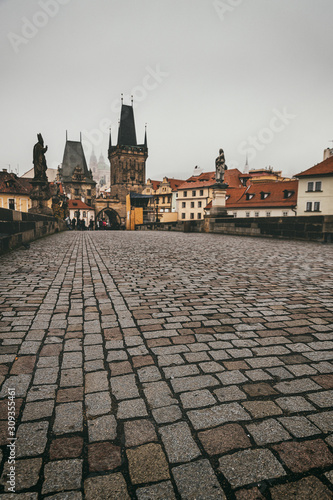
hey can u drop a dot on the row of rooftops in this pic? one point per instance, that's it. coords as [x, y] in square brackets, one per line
[254, 189]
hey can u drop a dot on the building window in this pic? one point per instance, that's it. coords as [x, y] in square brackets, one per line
[285, 214]
[192, 204]
[256, 214]
[249, 196]
[11, 204]
[235, 214]
[199, 204]
[318, 186]
[308, 206]
[84, 214]
[247, 214]
[183, 204]
[316, 206]
[169, 199]
[89, 202]
[310, 186]
[191, 216]
[201, 192]
[76, 192]
[183, 216]
[185, 194]
[88, 192]
[199, 216]
[194, 193]
[268, 214]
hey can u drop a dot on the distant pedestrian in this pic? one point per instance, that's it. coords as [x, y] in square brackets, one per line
[91, 224]
[73, 223]
[68, 222]
[83, 225]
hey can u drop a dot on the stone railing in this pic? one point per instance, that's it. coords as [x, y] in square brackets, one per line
[19, 228]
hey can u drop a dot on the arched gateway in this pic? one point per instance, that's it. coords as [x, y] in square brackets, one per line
[111, 217]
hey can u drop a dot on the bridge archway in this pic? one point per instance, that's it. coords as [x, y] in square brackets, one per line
[112, 218]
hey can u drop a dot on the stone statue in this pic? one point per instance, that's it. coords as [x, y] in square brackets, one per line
[220, 168]
[39, 160]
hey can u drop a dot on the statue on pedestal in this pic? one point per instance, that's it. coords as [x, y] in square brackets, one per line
[40, 193]
[220, 167]
[39, 160]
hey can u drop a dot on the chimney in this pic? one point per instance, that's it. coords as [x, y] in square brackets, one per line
[328, 153]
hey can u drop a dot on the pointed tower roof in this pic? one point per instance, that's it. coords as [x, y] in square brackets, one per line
[145, 142]
[73, 157]
[126, 133]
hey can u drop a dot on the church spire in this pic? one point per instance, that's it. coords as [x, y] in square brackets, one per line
[110, 142]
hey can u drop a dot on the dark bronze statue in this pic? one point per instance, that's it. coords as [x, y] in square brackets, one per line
[39, 160]
[220, 167]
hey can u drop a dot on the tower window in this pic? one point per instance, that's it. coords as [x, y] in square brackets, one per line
[310, 186]
[318, 186]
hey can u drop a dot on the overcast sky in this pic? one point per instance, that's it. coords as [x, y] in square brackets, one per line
[243, 75]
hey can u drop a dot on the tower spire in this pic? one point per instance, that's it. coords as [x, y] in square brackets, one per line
[246, 167]
[110, 142]
[145, 142]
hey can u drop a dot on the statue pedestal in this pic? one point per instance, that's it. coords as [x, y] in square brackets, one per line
[39, 196]
[218, 202]
[218, 210]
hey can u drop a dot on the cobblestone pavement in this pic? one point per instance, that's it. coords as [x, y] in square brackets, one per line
[162, 366]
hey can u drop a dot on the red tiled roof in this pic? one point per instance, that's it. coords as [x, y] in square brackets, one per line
[175, 183]
[11, 184]
[323, 168]
[78, 204]
[207, 179]
[275, 198]
[155, 184]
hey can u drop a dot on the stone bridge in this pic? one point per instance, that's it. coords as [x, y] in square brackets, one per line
[150, 365]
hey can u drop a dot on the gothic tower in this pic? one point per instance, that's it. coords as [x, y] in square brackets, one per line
[127, 158]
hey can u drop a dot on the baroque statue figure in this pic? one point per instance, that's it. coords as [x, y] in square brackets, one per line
[220, 168]
[39, 160]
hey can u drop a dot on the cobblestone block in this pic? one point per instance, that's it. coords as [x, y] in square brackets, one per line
[179, 443]
[132, 408]
[62, 475]
[216, 415]
[111, 486]
[98, 403]
[250, 466]
[224, 439]
[139, 432]
[31, 439]
[308, 487]
[67, 447]
[102, 428]
[103, 457]
[68, 418]
[306, 455]
[323, 420]
[26, 474]
[147, 463]
[156, 492]
[268, 431]
[197, 480]
[158, 394]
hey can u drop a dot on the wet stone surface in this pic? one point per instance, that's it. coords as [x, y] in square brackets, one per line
[178, 373]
